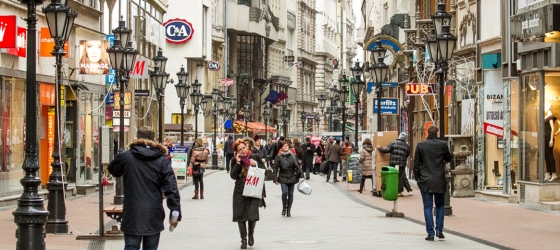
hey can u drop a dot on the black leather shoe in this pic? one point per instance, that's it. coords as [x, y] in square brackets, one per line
[327, 180]
[440, 235]
[430, 238]
[244, 244]
[343, 178]
[335, 181]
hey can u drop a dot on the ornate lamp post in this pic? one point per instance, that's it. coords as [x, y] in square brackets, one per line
[60, 19]
[183, 93]
[303, 120]
[317, 118]
[379, 75]
[159, 80]
[246, 112]
[196, 99]
[333, 94]
[357, 86]
[441, 46]
[215, 100]
[122, 60]
[266, 115]
[343, 94]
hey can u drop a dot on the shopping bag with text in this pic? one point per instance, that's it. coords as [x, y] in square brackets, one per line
[254, 183]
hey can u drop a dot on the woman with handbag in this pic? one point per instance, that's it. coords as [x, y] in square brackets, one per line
[319, 151]
[287, 172]
[198, 160]
[245, 209]
[366, 159]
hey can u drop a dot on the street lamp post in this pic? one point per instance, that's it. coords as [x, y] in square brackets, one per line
[159, 80]
[215, 100]
[318, 120]
[122, 60]
[196, 99]
[322, 102]
[246, 112]
[183, 93]
[266, 115]
[30, 215]
[357, 86]
[343, 94]
[60, 19]
[333, 94]
[379, 74]
[441, 46]
[303, 120]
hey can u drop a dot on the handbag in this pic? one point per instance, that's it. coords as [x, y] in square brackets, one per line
[254, 183]
[318, 159]
[304, 188]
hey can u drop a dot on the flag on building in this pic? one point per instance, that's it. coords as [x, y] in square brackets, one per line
[281, 97]
[272, 97]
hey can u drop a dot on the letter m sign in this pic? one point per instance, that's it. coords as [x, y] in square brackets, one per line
[140, 69]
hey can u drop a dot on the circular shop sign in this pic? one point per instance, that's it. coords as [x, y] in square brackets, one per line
[178, 31]
[213, 65]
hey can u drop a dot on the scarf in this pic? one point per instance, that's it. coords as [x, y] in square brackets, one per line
[246, 161]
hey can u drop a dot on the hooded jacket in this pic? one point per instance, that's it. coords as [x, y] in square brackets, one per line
[366, 159]
[146, 173]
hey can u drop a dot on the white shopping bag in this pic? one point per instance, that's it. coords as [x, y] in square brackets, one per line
[304, 188]
[254, 183]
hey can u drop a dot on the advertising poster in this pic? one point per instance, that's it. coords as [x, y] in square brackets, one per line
[94, 59]
[179, 161]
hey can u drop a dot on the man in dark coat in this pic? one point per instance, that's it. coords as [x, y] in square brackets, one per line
[307, 160]
[333, 158]
[399, 151]
[146, 173]
[430, 158]
[228, 150]
[274, 148]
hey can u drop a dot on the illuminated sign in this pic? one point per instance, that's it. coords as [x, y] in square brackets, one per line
[420, 89]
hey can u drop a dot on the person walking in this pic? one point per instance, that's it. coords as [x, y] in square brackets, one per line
[245, 209]
[198, 161]
[333, 158]
[146, 173]
[287, 172]
[299, 151]
[307, 160]
[366, 159]
[347, 147]
[320, 153]
[400, 151]
[228, 150]
[429, 171]
[259, 149]
[328, 144]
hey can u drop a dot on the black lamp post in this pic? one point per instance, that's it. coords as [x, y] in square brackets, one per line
[333, 94]
[322, 102]
[122, 61]
[196, 99]
[30, 215]
[441, 46]
[317, 118]
[343, 94]
[215, 100]
[183, 93]
[60, 19]
[266, 115]
[303, 120]
[357, 86]
[379, 75]
[159, 80]
[246, 113]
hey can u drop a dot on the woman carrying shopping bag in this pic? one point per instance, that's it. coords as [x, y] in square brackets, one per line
[245, 209]
[198, 160]
[287, 172]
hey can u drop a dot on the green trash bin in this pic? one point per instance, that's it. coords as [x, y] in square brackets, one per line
[389, 183]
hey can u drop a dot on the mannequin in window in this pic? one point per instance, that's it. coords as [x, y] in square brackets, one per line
[549, 134]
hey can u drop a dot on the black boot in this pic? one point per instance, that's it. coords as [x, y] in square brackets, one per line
[362, 182]
[288, 209]
[284, 207]
[252, 225]
[243, 234]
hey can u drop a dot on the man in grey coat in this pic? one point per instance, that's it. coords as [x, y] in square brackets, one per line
[430, 158]
[333, 158]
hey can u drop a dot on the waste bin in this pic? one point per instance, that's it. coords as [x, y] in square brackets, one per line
[389, 183]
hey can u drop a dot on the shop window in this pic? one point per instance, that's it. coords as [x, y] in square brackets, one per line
[529, 133]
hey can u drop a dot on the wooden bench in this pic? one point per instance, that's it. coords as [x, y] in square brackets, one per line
[114, 212]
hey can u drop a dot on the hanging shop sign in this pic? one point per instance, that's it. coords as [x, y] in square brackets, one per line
[46, 44]
[389, 106]
[371, 86]
[21, 38]
[420, 89]
[140, 69]
[213, 65]
[7, 32]
[178, 31]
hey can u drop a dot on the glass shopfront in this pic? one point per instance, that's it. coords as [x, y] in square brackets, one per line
[539, 126]
[12, 134]
[91, 115]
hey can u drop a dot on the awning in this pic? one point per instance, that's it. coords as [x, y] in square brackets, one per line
[256, 127]
[176, 127]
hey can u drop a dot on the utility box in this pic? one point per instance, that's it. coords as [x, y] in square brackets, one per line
[107, 144]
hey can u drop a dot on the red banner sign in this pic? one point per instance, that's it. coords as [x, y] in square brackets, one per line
[21, 39]
[8, 32]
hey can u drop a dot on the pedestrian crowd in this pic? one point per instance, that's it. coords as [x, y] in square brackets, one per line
[287, 162]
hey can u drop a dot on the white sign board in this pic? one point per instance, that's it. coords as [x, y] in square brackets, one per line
[140, 69]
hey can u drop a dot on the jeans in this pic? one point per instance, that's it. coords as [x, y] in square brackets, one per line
[149, 242]
[288, 192]
[332, 167]
[307, 167]
[228, 161]
[429, 199]
[198, 179]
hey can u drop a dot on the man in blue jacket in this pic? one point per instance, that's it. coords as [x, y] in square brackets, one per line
[146, 173]
[430, 158]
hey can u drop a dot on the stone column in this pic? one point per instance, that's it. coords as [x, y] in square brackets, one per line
[463, 174]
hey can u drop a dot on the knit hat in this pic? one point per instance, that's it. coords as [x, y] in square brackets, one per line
[402, 135]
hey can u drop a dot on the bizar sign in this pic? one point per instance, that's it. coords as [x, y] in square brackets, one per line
[178, 31]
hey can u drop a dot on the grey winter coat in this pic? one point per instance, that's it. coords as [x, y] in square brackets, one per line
[290, 175]
[146, 173]
[244, 208]
[429, 165]
[399, 150]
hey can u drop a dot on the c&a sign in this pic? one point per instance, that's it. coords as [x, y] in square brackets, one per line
[178, 31]
[7, 32]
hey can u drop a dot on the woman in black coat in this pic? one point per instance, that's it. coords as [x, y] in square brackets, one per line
[320, 151]
[286, 170]
[244, 208]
